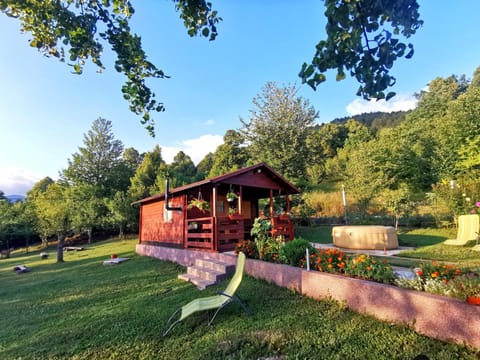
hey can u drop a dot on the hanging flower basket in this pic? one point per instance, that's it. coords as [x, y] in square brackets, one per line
[231, 196]
[199, 203]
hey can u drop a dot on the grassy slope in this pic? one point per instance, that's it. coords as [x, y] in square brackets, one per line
[83, 310]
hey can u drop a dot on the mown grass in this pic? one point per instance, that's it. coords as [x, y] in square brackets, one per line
[81, 309]
[317, 234]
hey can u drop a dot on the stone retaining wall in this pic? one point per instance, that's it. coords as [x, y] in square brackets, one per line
[439, 317]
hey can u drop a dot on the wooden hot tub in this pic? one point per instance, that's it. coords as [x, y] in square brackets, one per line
[367, 237]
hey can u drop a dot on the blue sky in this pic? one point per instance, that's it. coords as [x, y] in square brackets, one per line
[45, 110]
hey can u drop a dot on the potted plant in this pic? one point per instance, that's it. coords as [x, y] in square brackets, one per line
[199, 203]
[192, 226]
[233, 214]
[231, 196]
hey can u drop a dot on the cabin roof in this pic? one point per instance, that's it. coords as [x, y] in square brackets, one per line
[229, 178]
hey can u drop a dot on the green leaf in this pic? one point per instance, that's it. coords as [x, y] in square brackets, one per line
[390, 95]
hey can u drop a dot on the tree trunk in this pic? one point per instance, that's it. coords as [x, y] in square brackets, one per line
[61, 240]
[45, 241]
[120, 234]
[89, 232]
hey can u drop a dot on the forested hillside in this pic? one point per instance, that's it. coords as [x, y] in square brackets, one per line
[425, 161]
[376, 120]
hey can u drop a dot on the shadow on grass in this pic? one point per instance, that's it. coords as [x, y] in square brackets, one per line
[417, 240]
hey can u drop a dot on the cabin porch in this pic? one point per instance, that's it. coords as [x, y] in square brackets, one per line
[200, 233]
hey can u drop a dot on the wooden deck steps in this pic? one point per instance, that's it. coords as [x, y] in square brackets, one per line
[206, 272]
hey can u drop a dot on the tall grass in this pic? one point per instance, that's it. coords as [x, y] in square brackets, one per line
[81, 309]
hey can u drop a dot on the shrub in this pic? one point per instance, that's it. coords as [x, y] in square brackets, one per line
[261, 233]
[293, 252]
[248, 247]
[273, 249]
[329, 260]
[367, 267]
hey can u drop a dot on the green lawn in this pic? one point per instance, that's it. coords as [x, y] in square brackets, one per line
[317, 234]
[83, 310]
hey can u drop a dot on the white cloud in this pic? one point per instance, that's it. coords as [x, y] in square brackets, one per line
[17, 181]
[398, 103]
[209, 122]
[196, 148]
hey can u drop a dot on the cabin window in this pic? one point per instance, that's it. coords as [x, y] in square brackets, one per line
[220, 207]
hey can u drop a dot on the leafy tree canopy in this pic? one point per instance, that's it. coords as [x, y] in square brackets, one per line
[78, 30]
[229, 156]
[182, 170]
[364, 37]
[143, 183]
[277, 129]
[99, 162]
[204, 166]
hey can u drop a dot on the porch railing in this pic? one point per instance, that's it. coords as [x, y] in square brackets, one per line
[230, 231]
[199, 233]
[215, 234]
[224, 233]
[282, 225]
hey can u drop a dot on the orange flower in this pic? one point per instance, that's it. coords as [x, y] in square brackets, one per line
[435, 274]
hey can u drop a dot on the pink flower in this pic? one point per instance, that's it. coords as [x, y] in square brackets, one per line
[477, 204]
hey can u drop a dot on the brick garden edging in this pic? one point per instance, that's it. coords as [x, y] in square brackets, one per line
[439, 317]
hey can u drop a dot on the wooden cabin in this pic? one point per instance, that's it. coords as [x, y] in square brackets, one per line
[171, 219]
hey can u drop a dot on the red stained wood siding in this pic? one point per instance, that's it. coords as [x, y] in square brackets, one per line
[155, 229]
[256, 179]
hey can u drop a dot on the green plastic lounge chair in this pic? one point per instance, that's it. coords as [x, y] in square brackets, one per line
[218, 301]
[468, 227]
